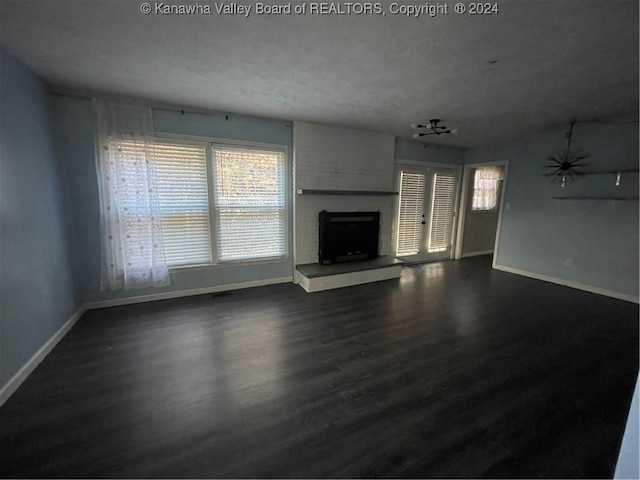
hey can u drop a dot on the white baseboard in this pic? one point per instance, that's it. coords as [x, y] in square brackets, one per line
[116, 302]
[22, 374]
[567, 283]
[301, 280]
[475, 254]
[12, 385]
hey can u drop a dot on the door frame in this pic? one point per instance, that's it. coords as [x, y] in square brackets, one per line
[464, 185]
[429, 168]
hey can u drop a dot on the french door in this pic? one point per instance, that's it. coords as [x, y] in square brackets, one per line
[426, 213]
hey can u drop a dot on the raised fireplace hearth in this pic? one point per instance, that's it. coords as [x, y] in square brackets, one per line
[348, 253]
[314, 277]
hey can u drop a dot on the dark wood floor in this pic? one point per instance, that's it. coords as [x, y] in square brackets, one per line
[454, 370]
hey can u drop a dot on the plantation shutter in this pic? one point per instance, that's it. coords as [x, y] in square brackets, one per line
[249, 193]
[181, 177]
[410, 213]
[443, 204]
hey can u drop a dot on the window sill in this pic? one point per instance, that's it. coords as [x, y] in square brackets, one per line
[227, 264]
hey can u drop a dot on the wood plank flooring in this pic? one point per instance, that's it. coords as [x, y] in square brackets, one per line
[453, 370]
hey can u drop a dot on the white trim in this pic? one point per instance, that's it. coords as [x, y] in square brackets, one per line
[185, 293]
[226, 264]
[475, 254]
[330, 282]
[456, 214]
[463, 200]
[300, 279]
[213, 218]
[503, 195]
[21, 375]
[568, 283]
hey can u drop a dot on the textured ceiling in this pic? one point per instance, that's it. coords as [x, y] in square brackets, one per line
[536, 64]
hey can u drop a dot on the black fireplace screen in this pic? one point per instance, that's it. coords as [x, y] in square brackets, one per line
[348, 236]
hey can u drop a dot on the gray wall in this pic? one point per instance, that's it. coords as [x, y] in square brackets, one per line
[538, 234]
[37, 292]
[480, 226]
[74, 128]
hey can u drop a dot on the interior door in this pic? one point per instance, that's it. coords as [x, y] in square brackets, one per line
[426, 213]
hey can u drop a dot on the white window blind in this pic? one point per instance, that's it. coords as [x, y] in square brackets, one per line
[485, 188]
[181, 178]
[184, 203]
[410, 213]
[249, 197]
[443, 204]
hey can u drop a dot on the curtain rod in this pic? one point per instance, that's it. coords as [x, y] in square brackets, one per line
[88, 96]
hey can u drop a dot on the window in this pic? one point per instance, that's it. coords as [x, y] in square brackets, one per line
[181, 178]
[410, 213]
[249, 203]
[485, 188]
[247, 188]
[181, 174]
[442, 210]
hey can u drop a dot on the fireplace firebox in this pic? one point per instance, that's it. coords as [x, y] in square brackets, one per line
[348, 236]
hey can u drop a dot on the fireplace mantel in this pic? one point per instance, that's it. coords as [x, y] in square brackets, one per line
[306, 191]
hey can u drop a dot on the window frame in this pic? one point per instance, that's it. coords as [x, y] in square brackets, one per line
[189, 142]
[398, 229]
[434, 179]
[208, 143]
[287, 189]
[473, 193]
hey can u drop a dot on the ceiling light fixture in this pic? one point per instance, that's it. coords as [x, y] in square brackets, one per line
[433, 128]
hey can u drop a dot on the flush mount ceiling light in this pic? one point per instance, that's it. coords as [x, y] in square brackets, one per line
[566, 164]
[433, 128]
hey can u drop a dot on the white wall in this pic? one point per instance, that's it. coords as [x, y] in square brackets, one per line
[334, 158]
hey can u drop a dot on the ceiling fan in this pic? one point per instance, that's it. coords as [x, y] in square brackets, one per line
[433, 128]
[566, 164]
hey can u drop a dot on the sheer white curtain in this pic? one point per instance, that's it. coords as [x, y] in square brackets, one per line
[485, 187]
[132, 247]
